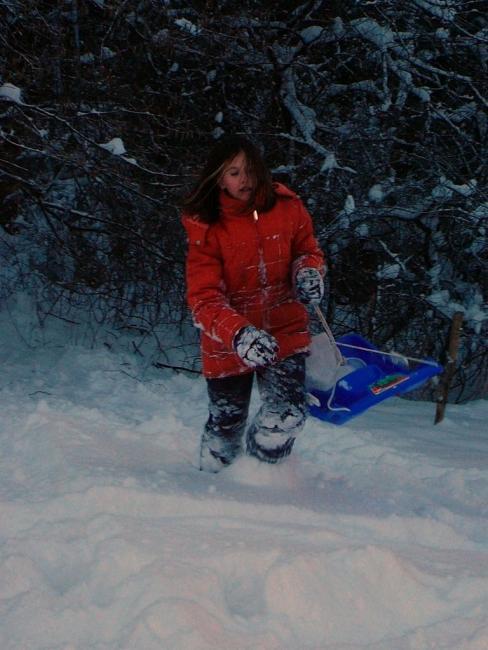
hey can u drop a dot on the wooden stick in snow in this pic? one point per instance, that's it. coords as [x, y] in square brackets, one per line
[454, 336]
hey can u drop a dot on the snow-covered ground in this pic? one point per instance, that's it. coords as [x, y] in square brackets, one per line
[373, 535]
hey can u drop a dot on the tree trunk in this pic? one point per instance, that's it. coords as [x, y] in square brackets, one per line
[454, 336]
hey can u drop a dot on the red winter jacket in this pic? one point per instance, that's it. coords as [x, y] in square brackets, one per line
[240, 272]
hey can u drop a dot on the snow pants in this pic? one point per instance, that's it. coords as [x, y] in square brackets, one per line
[272, 432]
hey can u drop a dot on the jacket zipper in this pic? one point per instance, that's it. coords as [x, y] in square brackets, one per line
[262, 270]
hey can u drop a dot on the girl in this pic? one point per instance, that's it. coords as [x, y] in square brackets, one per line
[252, 260]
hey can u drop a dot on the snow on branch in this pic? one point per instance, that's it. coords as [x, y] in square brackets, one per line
[115, 147]
[311, 34]
[394, 44]
[187, 26]
[445, 9]
[401, 69]
[370, 30]
[11, 93]
[304, 116]
[306, 120]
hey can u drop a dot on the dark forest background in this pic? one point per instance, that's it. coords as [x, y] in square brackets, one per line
[375, 112]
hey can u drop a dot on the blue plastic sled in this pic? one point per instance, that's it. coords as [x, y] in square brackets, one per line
[380, 377]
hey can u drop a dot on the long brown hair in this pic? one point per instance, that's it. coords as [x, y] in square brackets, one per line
[204, 199]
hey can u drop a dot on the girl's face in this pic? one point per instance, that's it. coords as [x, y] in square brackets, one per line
[236, 179]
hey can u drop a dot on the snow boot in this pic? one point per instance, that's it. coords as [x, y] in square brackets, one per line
[271, 436]
[217, 452]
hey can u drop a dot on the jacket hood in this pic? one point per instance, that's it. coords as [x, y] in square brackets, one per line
[282, 190]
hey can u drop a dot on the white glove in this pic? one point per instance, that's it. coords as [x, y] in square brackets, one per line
[255, 347]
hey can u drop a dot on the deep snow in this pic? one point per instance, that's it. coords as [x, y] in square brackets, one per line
[373, 535]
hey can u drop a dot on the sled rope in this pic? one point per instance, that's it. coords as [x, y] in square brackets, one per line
[335, 344]
[390, 354]
[339, 358]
